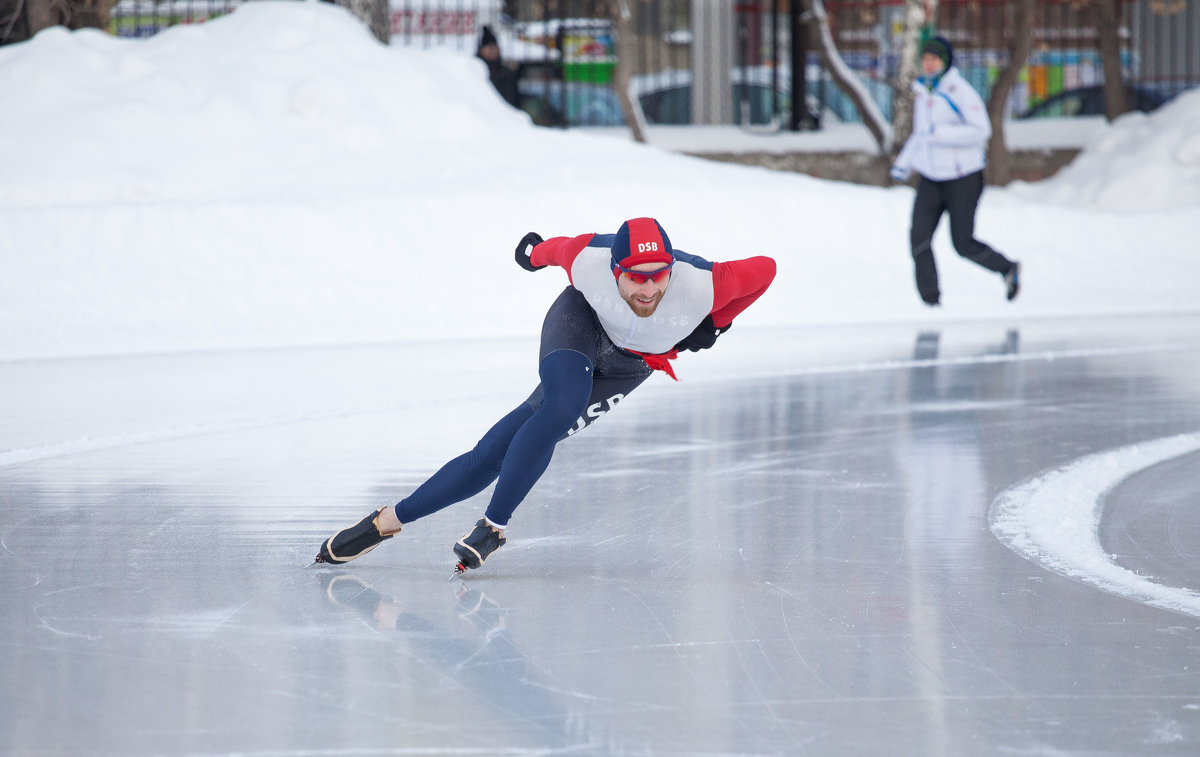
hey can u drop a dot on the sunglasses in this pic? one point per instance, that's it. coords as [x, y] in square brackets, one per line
[641, 277]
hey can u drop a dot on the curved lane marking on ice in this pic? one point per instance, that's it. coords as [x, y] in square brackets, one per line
[1054, 520]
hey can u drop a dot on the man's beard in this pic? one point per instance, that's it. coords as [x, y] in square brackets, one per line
[643, 310]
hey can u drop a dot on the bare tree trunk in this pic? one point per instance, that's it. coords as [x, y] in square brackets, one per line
[1020, 42]
[42, 14]
[902, 102]
[627, 47]
[21, 19]
[1108, 42]
[846, 80]
[91, 14]
[375, 14]
[13, 24]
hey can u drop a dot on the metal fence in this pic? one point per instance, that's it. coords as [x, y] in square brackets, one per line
[1159, 43]
[732, 61]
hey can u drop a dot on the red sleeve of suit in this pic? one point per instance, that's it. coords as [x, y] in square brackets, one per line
[737, 284]
[560, 251]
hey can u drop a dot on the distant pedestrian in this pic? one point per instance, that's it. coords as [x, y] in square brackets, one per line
[504, 77]
[947, 151]
[633, 303]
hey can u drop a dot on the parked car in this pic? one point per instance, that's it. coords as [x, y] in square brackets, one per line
[1090, 101]
[840, 104]
[666, 97]
[556, 103]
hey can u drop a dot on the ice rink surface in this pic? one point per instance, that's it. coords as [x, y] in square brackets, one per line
[797, 549]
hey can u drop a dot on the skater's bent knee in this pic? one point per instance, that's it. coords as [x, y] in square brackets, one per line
[565, 363]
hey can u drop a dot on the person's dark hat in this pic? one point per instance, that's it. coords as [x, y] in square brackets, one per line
[941, 47]
[641, 240]
[488, 37]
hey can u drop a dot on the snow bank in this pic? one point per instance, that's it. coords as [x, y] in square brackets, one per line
[1141, 162]
[276, 177]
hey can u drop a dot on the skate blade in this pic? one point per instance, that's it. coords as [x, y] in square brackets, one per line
[459, 569]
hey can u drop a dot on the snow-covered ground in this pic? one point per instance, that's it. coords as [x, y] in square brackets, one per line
[275, 178]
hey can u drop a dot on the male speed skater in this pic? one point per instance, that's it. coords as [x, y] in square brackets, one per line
[634, 302]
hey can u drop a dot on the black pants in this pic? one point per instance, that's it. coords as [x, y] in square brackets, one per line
[959, 197]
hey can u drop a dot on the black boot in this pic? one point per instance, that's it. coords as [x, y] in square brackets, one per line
[927, 278]
[356, 541]
[474, 547]
[1012, 281]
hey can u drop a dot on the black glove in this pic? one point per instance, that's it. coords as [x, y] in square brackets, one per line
[530, 240]
[704, 336]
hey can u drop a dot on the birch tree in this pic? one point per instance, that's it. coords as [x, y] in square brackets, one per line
[846, 80]
[917, 14]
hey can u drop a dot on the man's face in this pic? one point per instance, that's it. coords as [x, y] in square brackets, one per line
[643, 298]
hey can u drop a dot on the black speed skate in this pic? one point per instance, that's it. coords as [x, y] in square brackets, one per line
[474, 547]
[355, 541]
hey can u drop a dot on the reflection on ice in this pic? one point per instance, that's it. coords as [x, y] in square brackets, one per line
[483, 665]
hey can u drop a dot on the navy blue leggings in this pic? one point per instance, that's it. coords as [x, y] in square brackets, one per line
[582, 376]
[516, 450]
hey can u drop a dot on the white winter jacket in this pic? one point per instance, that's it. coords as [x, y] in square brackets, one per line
[950, 130]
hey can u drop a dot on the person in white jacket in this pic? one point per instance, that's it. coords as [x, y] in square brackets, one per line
[946, 150]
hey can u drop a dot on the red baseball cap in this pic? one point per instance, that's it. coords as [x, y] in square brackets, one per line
[641, 240]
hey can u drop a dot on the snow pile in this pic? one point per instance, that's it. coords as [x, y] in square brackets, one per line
[1141, 162]
[275, 177]
[234, 109]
